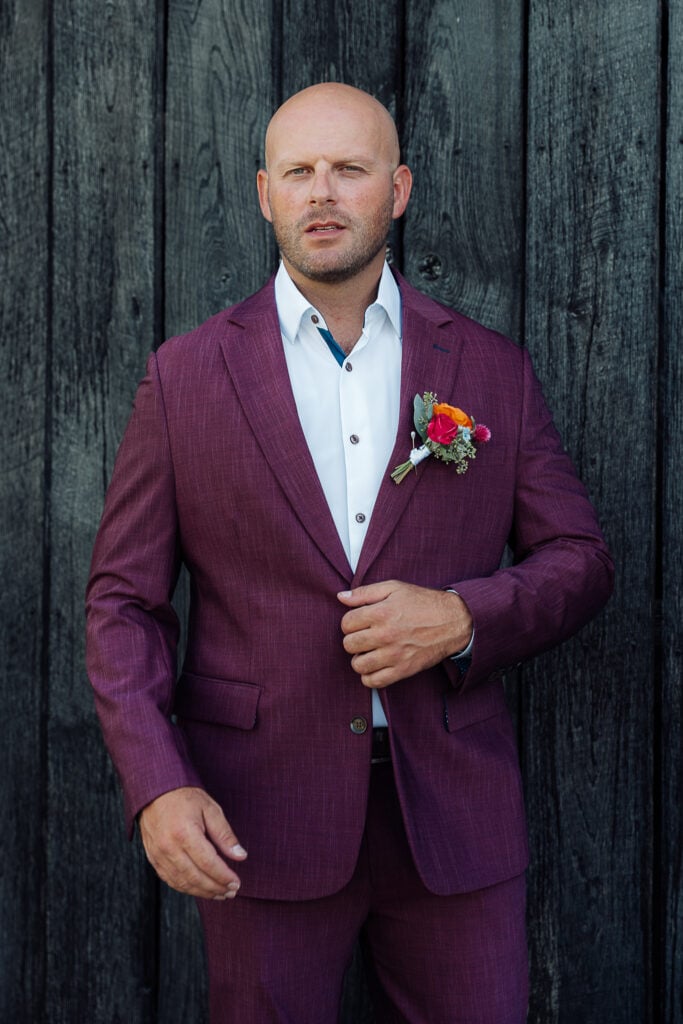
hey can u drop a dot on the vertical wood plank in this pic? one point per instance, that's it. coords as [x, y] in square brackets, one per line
[670, 432]
[101, 927]
[591, 327]
[330, 42]
[218, 250]
[463, 235]
[219, 98]
[24, 372]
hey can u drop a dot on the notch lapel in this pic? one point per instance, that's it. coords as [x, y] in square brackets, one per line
[430, 358]
[252, 349]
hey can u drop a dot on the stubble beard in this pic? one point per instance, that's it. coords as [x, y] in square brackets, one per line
[333, 268]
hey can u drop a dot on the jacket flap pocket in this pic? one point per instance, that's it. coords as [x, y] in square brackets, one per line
[461, 709]
[219, 701]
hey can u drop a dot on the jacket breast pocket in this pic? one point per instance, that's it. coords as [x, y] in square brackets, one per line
[216, 701]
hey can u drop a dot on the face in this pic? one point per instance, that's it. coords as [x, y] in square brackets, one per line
[332, 186]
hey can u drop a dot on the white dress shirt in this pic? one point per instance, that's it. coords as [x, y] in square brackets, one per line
[349, 414]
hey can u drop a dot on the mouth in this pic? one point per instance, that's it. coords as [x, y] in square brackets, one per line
[324, 227]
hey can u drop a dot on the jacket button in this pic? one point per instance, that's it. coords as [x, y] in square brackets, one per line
[358, 725]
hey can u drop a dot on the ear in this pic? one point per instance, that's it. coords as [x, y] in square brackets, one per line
[403, 183]
[262, 186]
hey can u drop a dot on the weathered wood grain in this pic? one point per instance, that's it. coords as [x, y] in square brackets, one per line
[464, 140]
[668, 961]
[591, 326]
[100, 935]
[359, 44]
[219, 97]
[24, 463]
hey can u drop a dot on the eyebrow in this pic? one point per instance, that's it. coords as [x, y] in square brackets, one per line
[366, 160]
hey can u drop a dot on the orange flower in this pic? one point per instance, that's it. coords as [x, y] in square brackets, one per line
[457, 415]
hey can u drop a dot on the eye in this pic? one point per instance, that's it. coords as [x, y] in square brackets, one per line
[297, 172]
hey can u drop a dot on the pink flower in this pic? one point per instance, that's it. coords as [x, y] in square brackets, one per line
[442, 429]
[481, 434]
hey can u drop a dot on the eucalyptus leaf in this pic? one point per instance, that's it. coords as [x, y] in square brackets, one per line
[420, 417]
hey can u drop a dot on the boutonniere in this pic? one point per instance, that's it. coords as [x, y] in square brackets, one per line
[447, 433]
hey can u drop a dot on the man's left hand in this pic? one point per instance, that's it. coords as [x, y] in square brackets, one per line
[394, 629]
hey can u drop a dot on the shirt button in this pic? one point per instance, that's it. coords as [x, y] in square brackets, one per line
[359, 725]
[354, 439]
[315, 319]
[348, 367]
[360, 517]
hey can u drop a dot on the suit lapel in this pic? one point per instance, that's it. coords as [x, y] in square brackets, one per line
[252, 349]
[430, 357]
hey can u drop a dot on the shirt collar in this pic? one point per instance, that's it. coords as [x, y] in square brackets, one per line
[292, 306]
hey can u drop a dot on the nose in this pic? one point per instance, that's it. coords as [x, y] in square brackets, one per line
[322, 187]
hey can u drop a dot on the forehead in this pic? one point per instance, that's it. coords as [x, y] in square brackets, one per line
[315, 128]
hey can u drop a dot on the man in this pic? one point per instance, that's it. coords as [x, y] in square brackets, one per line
[337, 749]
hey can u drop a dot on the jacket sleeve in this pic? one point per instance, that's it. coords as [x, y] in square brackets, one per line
[132, 629]
[562, 573]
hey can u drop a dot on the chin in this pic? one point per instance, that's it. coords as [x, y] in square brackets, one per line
[332, 271]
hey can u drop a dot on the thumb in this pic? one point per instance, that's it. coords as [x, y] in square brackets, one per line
[218, 829]
[372, 593]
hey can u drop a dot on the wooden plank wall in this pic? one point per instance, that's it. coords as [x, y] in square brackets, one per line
[546, 137]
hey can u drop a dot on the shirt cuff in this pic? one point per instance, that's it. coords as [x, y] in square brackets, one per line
[467, 652]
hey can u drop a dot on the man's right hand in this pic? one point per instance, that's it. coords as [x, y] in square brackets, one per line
[182, 830]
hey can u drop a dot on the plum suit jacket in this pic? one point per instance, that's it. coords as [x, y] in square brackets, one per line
[214, 472]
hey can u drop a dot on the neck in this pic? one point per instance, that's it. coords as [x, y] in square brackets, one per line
[343, 303]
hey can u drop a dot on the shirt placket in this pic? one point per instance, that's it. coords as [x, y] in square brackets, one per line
[353, 399]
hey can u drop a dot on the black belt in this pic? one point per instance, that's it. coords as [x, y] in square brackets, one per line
[381, 752]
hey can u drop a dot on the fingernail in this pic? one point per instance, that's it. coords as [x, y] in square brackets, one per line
[344, 593]
[232, 887]
[238, 851]
[221, 898]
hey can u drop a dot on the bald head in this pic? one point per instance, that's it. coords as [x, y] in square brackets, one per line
[329, 106]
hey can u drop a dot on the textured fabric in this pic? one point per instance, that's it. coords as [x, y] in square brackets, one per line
[432, 960]
[214, 470]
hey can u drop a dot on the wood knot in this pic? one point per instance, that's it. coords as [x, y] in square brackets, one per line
[430, 266]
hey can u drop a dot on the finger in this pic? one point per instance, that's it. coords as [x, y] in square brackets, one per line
[359, 642]
[383, 677]
[221, 834]
[186, 859]
[206, 859]
[371, 593]
[184, 875]
[369, 662]
[368, 617]
[197, 870]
